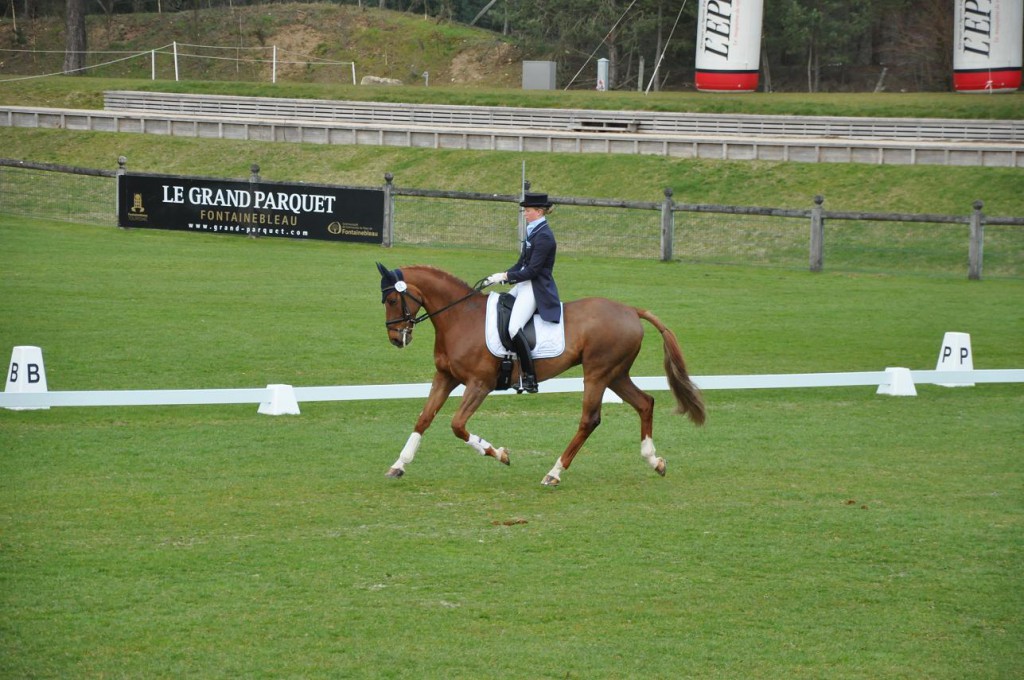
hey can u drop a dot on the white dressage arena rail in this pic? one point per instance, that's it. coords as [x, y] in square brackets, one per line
[263, 395]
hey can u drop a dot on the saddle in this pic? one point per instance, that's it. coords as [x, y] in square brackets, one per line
[504, 309]
[545, 339]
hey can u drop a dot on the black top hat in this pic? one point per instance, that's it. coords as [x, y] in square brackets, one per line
[535, 201]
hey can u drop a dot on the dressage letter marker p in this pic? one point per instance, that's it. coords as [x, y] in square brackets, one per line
[955, 355]
[26, 373]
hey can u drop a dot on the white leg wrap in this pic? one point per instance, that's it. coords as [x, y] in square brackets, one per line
[408, 451]
[481, 445]
[556, 471]
[648, 452]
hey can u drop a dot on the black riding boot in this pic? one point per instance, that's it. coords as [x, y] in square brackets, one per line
[527, 376]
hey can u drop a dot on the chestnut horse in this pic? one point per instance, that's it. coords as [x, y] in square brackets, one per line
[601, 334]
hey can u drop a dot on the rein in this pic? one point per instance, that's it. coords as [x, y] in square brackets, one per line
[408, 317]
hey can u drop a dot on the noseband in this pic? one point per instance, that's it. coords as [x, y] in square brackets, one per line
[407, 317]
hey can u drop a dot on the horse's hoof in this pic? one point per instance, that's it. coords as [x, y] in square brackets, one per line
[550, 480]
[660, 467]
[503, 456]
[395, 473]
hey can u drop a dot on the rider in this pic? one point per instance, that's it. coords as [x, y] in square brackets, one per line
[534, 287]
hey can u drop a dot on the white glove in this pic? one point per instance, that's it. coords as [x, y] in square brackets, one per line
[500, 277]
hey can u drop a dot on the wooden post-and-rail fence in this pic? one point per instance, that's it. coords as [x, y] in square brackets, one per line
[816, 216]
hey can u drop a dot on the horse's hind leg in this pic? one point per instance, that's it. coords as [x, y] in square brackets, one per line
[644, 405]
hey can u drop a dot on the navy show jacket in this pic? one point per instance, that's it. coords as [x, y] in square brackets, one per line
[536, 264]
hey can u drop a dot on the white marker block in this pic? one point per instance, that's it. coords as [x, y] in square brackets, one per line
[898, 383]
[955, 355]
[610, 397]
[282, 402]
[26, 373]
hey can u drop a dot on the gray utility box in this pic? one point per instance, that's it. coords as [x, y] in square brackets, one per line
[538, 75]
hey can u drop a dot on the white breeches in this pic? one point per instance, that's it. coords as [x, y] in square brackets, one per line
[524, 307]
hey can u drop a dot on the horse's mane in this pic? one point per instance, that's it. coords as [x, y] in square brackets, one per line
[440, 273]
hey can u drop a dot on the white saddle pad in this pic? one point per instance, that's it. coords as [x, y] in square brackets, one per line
[550, 336]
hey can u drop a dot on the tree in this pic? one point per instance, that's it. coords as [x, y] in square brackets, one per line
[75, 42]
[663, 30]
[817, 34]
[918, 40]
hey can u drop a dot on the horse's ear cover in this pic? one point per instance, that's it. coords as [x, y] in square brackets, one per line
[388, 279]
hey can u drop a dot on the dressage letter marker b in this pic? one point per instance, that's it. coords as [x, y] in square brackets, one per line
[26, 373]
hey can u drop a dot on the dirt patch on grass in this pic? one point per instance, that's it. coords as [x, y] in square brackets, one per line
[496, 64]
[298, 48]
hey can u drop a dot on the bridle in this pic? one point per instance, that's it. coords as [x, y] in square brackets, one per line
[408, 317]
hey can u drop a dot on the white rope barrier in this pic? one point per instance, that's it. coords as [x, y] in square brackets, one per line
[172, 50]
[132, 55]
[29, 400]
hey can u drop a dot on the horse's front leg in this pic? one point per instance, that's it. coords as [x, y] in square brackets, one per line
[440, 388]
[592, 393]
[474, 396]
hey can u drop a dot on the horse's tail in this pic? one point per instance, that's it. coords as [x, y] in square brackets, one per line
[688, 396]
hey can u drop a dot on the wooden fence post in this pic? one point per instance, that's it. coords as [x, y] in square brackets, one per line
[668, 226]
[521, 228]
[817, 255]
[976, 248]
[254, 180]
[122, 169]
[389, 212]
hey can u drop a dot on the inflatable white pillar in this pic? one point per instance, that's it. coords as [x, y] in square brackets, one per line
[988, 45]
[728, 45]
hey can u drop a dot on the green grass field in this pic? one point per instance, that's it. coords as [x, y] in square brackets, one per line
[801, 533]
[87, 93]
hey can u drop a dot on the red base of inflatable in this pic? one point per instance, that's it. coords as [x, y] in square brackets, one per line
[1001, 80]
[726, 81]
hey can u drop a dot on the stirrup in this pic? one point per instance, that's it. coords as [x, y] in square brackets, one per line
[527, 383]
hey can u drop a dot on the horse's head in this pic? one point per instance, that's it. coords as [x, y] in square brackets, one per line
[401, 303]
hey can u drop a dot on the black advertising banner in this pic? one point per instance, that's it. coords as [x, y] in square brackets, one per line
[251, 208]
